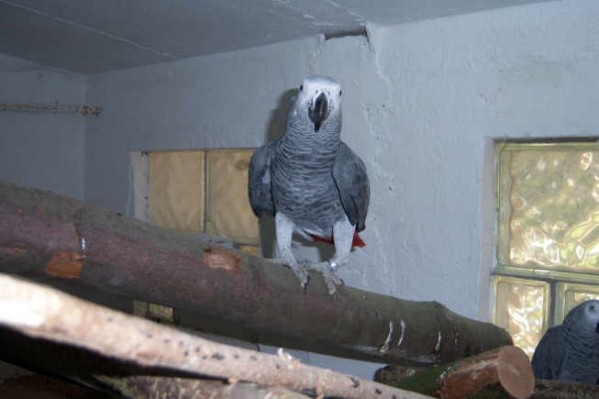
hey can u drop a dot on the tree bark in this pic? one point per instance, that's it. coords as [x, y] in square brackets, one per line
[46, 236]
[503, 369]
[46, 314]
[152, 387]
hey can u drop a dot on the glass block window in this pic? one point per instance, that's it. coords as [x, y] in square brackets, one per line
[523, 310]
[200, 191]
[548, 235]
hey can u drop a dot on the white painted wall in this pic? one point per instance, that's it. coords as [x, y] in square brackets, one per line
[423, 102]
[41, 149]
[456, 83]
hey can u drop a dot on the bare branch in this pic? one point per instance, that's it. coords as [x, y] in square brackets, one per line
[46, 313]
[46, 236]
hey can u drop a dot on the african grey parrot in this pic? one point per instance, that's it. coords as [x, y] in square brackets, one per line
[311, 181]
[570, 352]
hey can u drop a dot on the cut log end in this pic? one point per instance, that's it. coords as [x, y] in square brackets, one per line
[507, 367]
[514, 372]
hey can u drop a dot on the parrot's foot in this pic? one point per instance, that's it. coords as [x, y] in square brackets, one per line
[328, 274]
[299, 270]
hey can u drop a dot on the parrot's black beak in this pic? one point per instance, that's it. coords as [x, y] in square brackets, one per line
[319, 111]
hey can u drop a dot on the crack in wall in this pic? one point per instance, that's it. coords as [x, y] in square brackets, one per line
[379, 117]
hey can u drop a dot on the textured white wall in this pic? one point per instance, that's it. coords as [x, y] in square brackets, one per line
[455, 84]
[423, 102]
[41, 149]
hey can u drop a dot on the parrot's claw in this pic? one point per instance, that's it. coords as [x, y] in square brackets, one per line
[328, 274]
[302, 275]
[298, 269]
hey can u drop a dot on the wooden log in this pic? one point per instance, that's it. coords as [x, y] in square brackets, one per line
[45, 236]
[550, 389]
[502, 369]
[507, 366]
[143, 387]
[47, 314]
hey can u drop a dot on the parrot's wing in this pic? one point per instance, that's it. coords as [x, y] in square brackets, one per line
[259, 180]
[349, 173]
[550, 354]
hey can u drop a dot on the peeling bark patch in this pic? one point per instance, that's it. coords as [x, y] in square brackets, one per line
[355, 382]
[217, 356]
[65, 265]
[220, 258]
[378, 391]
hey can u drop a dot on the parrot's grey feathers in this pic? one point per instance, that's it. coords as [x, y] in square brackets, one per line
[259, 180]
[549, 355]
[570, 352]
[310, 180]
[349, 173]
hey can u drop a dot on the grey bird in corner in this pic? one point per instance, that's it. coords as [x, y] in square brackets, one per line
[570, 352]
[311, 181]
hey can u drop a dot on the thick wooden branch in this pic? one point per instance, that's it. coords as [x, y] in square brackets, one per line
[48, 314]
[43, 235]
[142, 387]
[506, 369]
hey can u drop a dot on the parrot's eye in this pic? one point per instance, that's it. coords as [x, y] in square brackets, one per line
[301, 87]
[340, 92]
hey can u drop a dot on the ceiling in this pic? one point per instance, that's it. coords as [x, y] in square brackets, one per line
[92, 36]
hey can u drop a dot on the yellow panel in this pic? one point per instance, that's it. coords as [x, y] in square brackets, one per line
[549, 206]
[177, 192]
[569, 295]
[228, 208]
[154, 311]
[250, 249]
[521, 307]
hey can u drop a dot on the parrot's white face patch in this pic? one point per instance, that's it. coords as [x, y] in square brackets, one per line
[591, 314]
[313, 86]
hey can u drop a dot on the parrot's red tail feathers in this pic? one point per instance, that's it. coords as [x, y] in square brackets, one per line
[326, 240]
[357, 241]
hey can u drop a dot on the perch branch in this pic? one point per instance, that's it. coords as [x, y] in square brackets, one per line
[45, 236]
[45, 313]
[506, 368]
[142, 387]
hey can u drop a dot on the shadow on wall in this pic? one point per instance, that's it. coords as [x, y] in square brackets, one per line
[276, 127]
